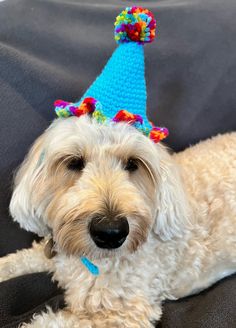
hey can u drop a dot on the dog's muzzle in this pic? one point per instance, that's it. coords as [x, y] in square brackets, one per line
[108, 233]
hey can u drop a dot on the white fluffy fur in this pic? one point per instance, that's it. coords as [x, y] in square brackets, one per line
[181, 210]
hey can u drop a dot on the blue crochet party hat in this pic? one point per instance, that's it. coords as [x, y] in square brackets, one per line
[119, 93]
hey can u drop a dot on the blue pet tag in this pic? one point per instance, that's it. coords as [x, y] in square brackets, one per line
[90, 266]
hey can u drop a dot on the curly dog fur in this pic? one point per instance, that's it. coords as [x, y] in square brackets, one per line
[181, 211]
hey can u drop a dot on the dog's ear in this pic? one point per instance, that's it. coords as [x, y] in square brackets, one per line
[23, 207]
[173, 213]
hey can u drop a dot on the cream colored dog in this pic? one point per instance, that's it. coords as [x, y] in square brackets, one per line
[157, 226]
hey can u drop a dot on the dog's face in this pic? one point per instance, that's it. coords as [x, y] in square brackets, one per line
[100, 189]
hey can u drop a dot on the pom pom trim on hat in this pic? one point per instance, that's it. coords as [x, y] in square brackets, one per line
[135, 24]
[94, 108]
[66, 109]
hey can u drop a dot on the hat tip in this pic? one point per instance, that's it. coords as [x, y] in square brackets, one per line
[135, 24]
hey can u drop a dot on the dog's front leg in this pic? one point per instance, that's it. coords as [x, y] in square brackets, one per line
[60, 319]
[133, 313]
[25, 261]
[141, 316]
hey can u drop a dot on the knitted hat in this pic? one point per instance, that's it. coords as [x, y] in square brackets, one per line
[119, 93]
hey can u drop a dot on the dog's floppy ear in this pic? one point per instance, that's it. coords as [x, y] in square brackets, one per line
[23, 208]
[173, 213]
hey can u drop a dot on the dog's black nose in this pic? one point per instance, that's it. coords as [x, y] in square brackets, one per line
[108, 233]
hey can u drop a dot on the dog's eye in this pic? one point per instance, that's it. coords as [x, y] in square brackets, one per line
[76, 164]
[131, 165]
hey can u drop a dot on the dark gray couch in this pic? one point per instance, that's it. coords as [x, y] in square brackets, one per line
[55, 49]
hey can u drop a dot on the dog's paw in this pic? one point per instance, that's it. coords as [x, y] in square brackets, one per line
[7, 268]
[50, 319]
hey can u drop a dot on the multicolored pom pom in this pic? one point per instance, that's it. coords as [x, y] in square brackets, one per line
[62, 108]
[157, 134]
[66, 109]
[88, 106]
[135, 24]
[125, 116]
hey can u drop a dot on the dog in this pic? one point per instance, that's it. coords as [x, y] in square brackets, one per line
[156, 225]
